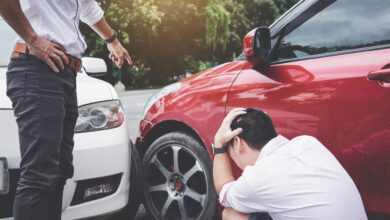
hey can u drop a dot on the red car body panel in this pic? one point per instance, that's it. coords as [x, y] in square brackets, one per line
[199, 103]
[329, 98]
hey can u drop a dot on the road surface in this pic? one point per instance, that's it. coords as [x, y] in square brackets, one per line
[133, 104]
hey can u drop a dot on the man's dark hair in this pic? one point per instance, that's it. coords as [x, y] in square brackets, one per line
[257, 128]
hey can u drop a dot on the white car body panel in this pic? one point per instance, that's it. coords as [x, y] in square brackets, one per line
[107, 156]
[9, 138]
[4, 100]
[96, 154]
[91, 90]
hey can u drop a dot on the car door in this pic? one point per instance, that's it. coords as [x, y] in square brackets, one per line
[329, 78]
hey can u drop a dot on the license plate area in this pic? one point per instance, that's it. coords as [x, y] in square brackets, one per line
[4, 176]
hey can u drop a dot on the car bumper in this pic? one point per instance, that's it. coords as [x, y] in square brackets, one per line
[108, 155]
[96, 154]
[144, 128]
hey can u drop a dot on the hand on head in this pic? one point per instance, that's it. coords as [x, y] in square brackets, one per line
[225, 133]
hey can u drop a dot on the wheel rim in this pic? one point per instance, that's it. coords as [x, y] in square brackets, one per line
[176, 183]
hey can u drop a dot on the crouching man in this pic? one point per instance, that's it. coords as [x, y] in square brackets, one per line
[281, 179]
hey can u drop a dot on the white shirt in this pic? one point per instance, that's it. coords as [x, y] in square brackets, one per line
[297, 179]
[58, 21]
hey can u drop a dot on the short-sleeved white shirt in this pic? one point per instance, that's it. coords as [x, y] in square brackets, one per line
[296, 179]
[58, 21]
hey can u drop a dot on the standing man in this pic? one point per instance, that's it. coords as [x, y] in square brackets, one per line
[41, 83]
[288, 179]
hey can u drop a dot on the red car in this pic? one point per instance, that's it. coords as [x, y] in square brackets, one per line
[322, 69]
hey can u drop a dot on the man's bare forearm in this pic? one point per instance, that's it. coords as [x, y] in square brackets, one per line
[49, 52]
[222, 171]
[12, 13]
[103, 29]
[117, 52]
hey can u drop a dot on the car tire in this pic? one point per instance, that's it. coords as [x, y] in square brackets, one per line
[184, 191]
[136, 189]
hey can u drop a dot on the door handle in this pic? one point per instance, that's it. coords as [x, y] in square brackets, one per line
[379, 74]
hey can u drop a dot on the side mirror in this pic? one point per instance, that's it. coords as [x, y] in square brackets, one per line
[257, 46]
[94, 66]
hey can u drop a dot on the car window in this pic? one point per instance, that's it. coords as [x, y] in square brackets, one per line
[7, 41]
[343, 25]
[241, 57]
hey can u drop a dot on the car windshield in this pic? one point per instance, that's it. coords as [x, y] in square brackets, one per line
[8, 37]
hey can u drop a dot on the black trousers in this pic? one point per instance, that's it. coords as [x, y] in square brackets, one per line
[45, 106]
[259, 216]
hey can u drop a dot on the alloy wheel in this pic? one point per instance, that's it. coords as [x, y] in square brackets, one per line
[176, 183]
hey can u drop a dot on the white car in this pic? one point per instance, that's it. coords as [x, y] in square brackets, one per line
[103, 152]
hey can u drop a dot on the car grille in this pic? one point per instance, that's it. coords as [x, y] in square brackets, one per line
[112, 181]
[7, 201]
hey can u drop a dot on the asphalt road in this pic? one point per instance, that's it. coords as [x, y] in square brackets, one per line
[133, 104]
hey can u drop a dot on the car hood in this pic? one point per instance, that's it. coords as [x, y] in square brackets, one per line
[89, 90]
[190, 90]
[226, 69]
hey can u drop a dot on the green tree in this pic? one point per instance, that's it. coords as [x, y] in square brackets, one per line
[245, 16]
[284, 5]
[159, 34]
[168, 37]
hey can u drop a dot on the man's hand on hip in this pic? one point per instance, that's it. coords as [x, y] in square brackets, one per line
[45, 50]
[50, 52]
[118, 53]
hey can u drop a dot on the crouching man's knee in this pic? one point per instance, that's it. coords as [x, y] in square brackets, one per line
[231, 214]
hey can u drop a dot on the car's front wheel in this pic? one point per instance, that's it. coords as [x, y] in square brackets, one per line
[178, 179]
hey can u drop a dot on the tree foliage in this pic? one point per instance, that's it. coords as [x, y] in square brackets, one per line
[167, 38]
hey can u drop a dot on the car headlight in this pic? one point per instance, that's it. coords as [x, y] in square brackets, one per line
[99, 116]
[158, 95]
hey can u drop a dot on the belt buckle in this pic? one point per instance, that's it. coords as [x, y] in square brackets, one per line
[75, 63]
[78, 65]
